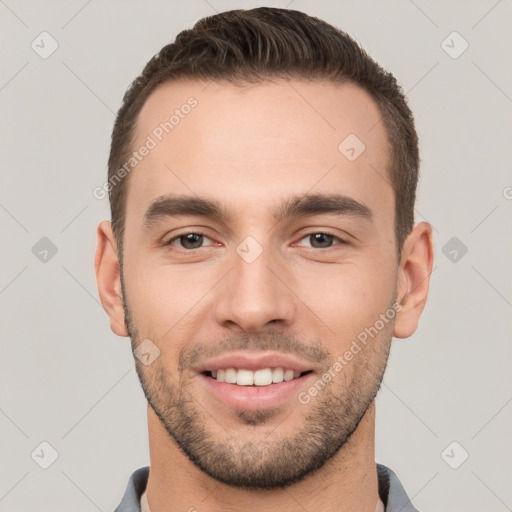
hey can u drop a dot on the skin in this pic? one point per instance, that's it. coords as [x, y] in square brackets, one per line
[251, 149]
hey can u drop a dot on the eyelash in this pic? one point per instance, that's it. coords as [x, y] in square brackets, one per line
[328, 233]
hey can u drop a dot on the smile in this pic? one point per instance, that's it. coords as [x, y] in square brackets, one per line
[259, 377]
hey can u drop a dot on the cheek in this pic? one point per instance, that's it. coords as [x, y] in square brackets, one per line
[348, 298]
[162, 298]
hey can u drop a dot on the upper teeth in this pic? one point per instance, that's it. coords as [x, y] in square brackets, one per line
[262, 377]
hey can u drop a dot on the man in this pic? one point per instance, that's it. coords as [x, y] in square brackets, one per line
[262, 254]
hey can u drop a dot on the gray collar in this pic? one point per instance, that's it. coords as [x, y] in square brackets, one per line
[391, 491]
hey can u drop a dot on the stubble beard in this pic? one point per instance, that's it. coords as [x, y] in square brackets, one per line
[273, 461]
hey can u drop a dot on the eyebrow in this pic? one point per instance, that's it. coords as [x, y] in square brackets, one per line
[296, 206]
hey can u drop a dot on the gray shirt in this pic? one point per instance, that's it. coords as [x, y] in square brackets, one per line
[391, 491]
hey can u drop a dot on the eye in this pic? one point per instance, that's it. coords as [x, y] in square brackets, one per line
[321, 240]
[189, 241]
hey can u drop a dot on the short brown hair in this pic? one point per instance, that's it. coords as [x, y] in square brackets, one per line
[251, 46]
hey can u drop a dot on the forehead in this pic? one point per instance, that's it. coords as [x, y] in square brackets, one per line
[259, 141]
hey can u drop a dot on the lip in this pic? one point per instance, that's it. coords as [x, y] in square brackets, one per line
[253, 361]
[253, 398]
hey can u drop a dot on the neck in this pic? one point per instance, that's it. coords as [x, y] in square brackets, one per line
[347, 482]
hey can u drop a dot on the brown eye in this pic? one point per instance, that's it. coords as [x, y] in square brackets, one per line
[321, 240]
[191, 240]
[188, 241]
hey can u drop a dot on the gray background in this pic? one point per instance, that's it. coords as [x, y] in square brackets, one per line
[67, 380]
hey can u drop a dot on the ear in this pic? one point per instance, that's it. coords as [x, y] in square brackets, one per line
[413, 279]
[108, 278]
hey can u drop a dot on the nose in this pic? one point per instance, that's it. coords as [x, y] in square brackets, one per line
[255, 295]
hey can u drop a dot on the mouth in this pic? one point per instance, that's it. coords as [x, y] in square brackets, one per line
[252, 390]
[255, 378]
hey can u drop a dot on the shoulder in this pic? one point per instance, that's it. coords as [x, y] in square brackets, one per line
[392, 492]
[136, 486]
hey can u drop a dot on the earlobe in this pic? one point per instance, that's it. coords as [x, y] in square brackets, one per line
[108, 278]
[413, 279]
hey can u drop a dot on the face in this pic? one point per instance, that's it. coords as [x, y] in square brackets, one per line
[257, 257]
